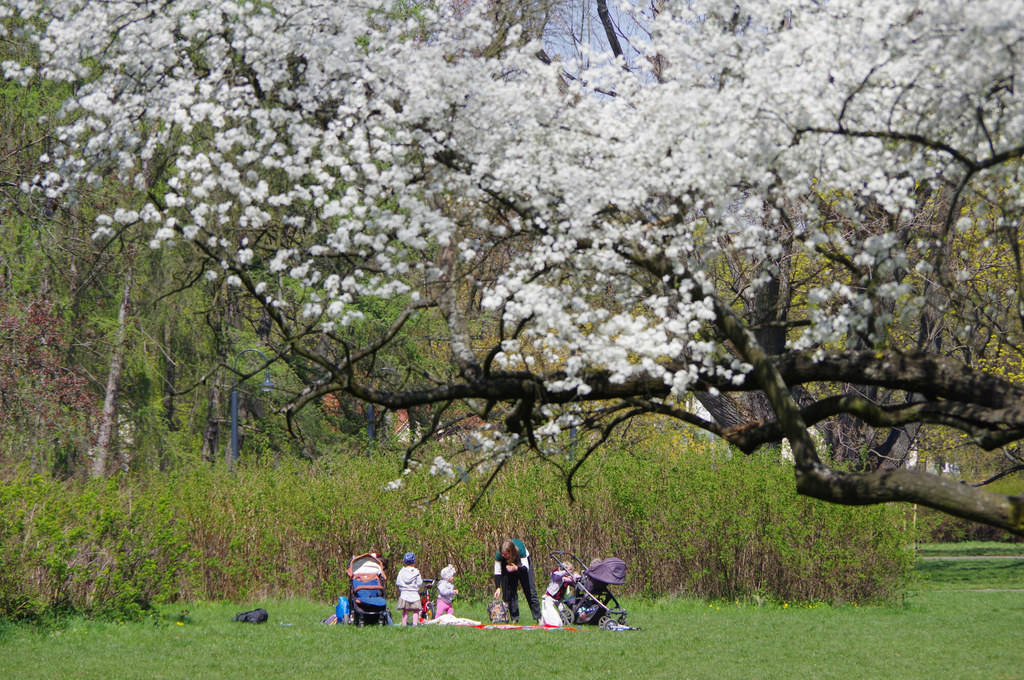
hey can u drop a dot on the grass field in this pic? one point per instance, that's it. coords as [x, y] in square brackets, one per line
[970, 549]
[951, 625]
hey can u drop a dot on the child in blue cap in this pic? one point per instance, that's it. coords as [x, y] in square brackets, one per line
[409, 582]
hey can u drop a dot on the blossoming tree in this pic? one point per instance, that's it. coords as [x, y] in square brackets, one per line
[843, 168]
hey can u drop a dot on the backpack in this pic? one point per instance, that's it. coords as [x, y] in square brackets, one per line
[498, 611]
[254, 616]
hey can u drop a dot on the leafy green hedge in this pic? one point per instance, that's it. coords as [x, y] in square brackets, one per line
[100, 548]
[686, 518]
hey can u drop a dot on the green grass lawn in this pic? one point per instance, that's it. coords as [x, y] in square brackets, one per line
[970, 548]
[948, 626]
[970, 566]
[970, 574]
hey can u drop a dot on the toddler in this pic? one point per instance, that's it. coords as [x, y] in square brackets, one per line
[553, 594]
[446, 591]
[409, 582]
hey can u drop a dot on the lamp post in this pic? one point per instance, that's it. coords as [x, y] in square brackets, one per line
[572, 441]
[267, 385]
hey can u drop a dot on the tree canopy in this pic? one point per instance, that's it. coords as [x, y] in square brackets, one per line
[757, 218]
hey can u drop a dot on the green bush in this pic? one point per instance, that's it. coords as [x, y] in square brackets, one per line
[687, 518]
[102, 547]
[703, 520]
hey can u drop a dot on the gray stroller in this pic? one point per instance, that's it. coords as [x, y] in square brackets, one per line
[590, 601]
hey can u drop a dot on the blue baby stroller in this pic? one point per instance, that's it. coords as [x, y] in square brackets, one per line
[367, 592]
[590, 600]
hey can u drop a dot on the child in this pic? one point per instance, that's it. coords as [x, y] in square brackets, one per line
[409, 582]
[553, 594]
[446, 591]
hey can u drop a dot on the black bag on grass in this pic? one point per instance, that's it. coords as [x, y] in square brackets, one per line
[254, 616]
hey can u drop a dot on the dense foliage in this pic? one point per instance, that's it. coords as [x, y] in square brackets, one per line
[719, 525]
[44, 407]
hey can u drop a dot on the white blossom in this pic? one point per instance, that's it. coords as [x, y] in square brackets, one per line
[371, 149]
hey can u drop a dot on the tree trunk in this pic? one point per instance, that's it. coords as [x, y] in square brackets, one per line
[211, 433]
[101, 452]
[170, 378]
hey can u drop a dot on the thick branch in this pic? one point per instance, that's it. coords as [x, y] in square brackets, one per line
[819, 481]
[986, 426]
[927, 374]
[609, 27]
[911, 486]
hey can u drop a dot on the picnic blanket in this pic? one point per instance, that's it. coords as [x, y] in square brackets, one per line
[452, 620]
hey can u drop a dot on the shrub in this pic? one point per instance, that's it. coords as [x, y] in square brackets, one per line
[695, 519]
[45, 406]
[104, 548]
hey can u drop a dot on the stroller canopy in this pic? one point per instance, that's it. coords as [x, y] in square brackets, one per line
[365, 564]
[611, 571]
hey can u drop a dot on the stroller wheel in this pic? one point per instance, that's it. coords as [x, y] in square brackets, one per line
[605, 622]
[568, 616]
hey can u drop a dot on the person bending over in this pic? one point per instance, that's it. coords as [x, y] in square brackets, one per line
[512, 571]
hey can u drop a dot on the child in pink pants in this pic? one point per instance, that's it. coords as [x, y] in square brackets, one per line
[446, 590]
